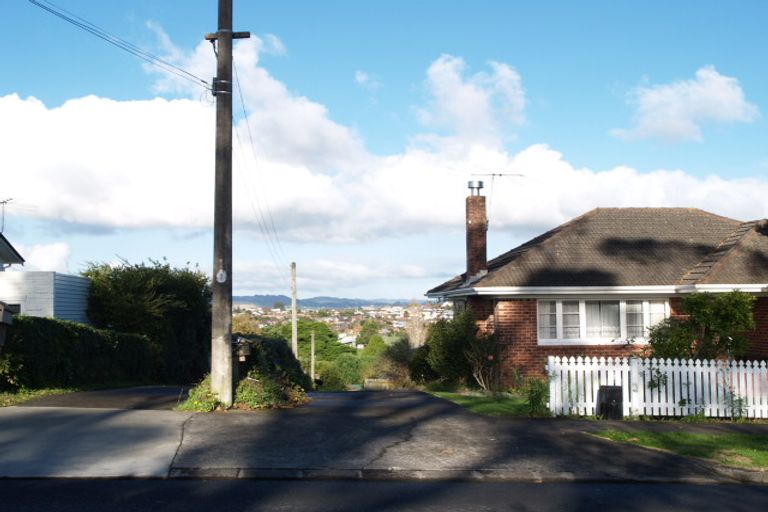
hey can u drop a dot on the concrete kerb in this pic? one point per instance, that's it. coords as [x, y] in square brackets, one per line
[723, 475]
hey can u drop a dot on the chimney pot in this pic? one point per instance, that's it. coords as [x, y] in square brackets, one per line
[475, 187]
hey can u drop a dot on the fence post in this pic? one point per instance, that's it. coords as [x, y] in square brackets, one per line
[634, 386]
[553, 384]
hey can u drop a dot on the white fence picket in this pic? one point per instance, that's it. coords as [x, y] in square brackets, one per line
[660, 387]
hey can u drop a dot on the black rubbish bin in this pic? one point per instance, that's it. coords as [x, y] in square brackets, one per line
[610, 404]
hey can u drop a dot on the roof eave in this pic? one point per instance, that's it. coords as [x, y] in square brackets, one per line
[649, 290]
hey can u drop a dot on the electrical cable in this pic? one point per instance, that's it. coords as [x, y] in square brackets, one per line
[281, 268]
[124, 45]
[270, 217]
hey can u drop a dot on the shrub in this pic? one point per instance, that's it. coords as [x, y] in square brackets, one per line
[265, 391]
[714, 327]
[482, 353]
[536, 393]
[419, 368]
[45, 352]
[672, 338]
[447, 341]
[330, 377]
[171, 306]
[273, 378]
[273, 356]
[349, 368]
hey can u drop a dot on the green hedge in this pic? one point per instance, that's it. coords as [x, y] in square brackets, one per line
[44, 352]
[273, 356]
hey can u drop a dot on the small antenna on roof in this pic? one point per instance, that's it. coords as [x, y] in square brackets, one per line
[493, 177]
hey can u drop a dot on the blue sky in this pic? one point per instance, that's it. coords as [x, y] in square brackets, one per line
[367, 120]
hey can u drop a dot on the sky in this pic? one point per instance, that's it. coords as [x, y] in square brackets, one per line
[358, 125]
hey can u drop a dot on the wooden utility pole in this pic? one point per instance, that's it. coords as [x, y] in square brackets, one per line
[221, 330]
[312, 359]
[294, 314]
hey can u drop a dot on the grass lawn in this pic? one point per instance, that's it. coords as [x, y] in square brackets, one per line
[491, 406]
[8, 398]
[743, 450]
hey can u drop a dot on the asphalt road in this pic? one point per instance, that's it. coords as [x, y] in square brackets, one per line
[158, 398]
[342, 496]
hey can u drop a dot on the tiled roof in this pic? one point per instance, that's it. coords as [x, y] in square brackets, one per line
[633, 247]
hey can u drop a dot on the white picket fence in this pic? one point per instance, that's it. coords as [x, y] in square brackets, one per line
[660, 387]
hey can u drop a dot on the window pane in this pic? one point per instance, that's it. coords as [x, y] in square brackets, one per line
[547, 320]
[658, 311]
[635, 319]
[603, 319]
[593, 318]
[571, 319]
[547, 307]
[570, 307]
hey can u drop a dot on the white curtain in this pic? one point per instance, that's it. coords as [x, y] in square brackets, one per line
[603, 319]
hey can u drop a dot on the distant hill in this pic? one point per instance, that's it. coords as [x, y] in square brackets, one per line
[318, 302]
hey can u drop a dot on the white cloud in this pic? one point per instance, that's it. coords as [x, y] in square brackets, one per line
[106, 164]
[367, 81]
[677, 112]
[479, 108]
[48, 257]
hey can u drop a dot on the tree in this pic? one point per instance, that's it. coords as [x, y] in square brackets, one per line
[713, 326]
[447, 341]
[368, 329]
[482, 353]
[415, 326]
[279, 305]
[327, 346]
[245, 322]
[171, 306]
[375, 347]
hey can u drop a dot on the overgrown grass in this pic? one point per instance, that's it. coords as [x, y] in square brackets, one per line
[9, 398]
[201, 398]
[503, 405]
[742, 450]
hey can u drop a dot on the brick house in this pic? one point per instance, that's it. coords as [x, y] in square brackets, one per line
[586, 287]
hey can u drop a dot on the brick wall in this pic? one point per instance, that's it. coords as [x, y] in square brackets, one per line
[758, 339]
[515, 323]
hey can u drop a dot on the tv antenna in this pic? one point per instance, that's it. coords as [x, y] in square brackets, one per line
[493, 176]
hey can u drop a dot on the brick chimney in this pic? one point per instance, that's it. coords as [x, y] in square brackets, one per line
[477, 227]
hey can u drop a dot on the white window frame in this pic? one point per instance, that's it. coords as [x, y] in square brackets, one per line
[583, 339]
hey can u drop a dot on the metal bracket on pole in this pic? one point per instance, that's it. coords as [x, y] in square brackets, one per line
[221, 87]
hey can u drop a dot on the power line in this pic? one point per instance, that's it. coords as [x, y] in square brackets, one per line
[279, 266]
[271, 219]
[124, 45]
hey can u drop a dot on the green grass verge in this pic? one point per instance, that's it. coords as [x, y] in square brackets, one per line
[512, 405]
[9, 398]
[742, 450]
